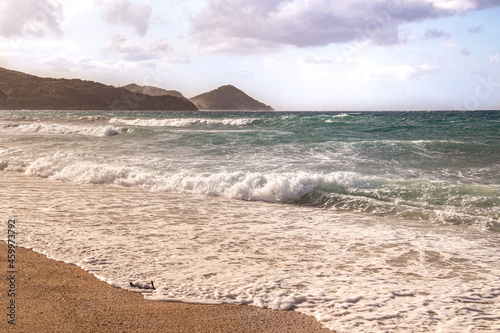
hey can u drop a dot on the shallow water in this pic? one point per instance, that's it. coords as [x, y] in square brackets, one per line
[350, 271]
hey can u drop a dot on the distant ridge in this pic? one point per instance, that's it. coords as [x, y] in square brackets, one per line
[26, 91]
[228, 98]
[152, 91]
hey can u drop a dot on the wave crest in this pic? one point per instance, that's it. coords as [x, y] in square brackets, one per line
[183, 122]
[344, 191]
[96, 131]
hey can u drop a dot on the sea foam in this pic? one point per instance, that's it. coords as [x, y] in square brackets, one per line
[341, 190]
[183, 122]
[351, 272]
[250, 186]
[97, 131]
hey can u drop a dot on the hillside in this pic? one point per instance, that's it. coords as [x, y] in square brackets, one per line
[228, 98]
[152, 91]
[4, 102]
[26, 91]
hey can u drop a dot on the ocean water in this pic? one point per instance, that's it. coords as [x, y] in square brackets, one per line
[368, 221]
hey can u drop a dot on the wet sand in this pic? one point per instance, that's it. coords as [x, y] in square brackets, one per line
[53, 296]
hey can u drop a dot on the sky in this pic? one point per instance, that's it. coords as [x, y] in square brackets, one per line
[314, 55]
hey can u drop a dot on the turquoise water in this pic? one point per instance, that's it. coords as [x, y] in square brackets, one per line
[367, 221]
[432, 166]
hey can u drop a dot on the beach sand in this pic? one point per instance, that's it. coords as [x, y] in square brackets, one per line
[53, 296]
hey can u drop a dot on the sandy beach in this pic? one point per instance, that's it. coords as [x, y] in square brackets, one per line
[53, 296]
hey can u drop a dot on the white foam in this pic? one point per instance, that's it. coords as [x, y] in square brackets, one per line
[97, 131]
[342, 115]
[183, 122]
[346, 191]
[254, 186]
[351, 272]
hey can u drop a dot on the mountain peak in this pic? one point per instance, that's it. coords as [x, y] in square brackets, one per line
[228, 98]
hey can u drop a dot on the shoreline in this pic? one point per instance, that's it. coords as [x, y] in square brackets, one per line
[53, 295]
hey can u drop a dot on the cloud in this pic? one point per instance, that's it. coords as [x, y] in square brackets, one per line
[317, 59]
[158, 45]
[132, 51]
[417, 72]
[264, 25]
[125, 12]
[465, 51]
[448, 43]
[242, 72]
[30, 17]
[403, 72]
[435, 34]
[275, 64]
[68, 64]
[120, 44]
[180, 59]
[455, 4]
[464, 5]
[475, 30]
[494, 58]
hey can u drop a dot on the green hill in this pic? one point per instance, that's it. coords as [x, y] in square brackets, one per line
[26, 91]
[228, 98]
[152, 91]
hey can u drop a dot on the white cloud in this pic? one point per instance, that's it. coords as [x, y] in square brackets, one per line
[403, 72]
[30, 17]
[494, 58]
[435, 34]
[158, 45]
[418, 72]
[132, 51]
[455, 4]
[261, 25]
[275, 64]
[68, 64]
[448, 43]
[180, 59]
[317, 59]
[120, 44]
[126, 12]
[242, 72]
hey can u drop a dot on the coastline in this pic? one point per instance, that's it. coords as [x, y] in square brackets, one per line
[55, 296]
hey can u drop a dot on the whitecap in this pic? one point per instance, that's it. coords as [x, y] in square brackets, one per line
[183, 122]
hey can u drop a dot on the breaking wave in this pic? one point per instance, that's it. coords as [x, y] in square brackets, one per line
[344, 191]
[97, 131]
[184, 122]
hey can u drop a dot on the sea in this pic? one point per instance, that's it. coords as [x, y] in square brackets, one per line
[366, 221]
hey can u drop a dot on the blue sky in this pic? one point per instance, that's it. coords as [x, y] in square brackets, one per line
[293, 54]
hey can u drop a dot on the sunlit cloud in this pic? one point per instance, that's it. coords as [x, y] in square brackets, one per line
[229, 26]
[275, 63]
[317, 59]
[126, 12]
[30, 18]
[121, 44]
[403, 72]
